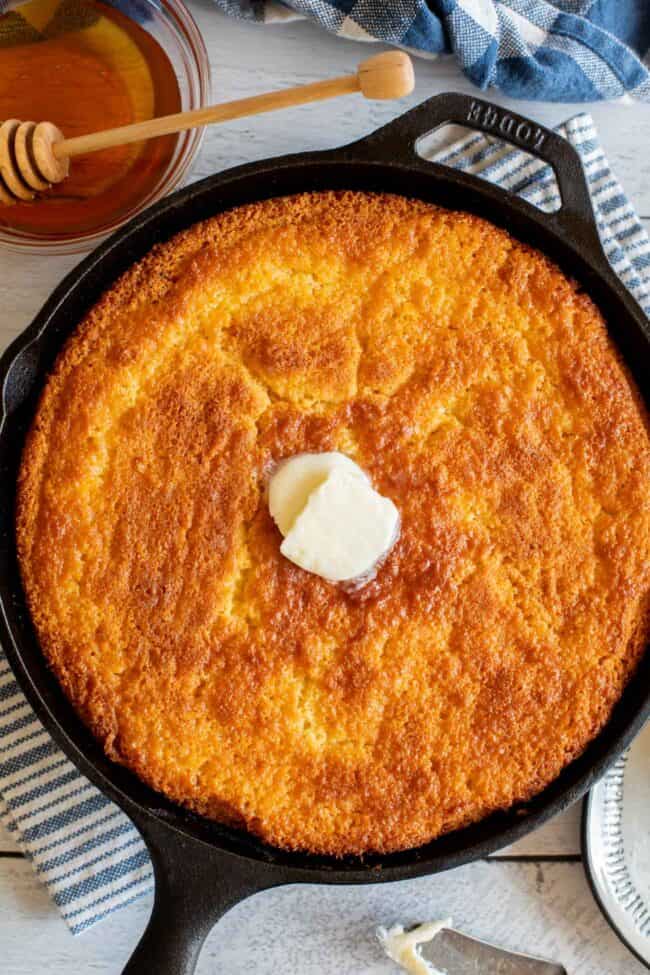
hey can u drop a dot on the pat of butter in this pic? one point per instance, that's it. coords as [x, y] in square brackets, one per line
[402, 946]
[343, 530]
[335, 524]
[298, 477]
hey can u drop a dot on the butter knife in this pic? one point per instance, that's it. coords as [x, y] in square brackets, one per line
[459, 954]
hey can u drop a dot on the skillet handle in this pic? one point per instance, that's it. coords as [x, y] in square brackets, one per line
[397, 142]
[195, 885]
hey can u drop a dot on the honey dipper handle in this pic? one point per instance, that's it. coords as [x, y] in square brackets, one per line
[384, 76]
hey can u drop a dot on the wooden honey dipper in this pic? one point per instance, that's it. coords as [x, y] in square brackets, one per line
[34, 156]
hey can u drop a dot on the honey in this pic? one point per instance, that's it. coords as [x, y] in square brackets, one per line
[86, 66]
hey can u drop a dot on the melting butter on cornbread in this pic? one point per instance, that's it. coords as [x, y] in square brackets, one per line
[334, 522]
[296, 478]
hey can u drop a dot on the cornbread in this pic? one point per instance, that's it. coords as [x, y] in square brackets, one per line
[477, 387]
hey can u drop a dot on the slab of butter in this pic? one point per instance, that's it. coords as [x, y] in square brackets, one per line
[334, 522]
[343, 530]
[402, 946]
[296, 478]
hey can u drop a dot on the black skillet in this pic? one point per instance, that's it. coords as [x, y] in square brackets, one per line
[201, 868]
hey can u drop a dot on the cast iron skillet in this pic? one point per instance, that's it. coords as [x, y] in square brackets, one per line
[201, 868]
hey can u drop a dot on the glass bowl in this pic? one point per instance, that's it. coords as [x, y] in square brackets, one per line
[173, 27]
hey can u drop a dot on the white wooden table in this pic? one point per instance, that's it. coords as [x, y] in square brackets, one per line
[533, 896]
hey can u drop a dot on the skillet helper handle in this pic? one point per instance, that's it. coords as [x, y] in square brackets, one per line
[195, 885]
[574, 220]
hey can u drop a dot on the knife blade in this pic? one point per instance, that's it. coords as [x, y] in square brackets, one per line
[459, 954]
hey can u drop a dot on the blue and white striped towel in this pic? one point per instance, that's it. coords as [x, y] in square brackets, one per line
[555, 50]
[86, 851]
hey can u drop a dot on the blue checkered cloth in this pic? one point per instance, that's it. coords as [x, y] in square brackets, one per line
[81, 845]
[559, 51]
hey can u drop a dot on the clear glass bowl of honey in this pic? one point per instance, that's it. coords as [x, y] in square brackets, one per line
[88, 65]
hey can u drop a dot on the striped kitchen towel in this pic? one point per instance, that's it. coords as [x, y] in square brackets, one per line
[555, 50]
[86, 851]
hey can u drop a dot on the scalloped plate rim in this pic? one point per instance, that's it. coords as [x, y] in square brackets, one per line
[604, 861]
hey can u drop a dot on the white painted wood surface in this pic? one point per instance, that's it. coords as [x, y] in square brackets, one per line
[542, 906]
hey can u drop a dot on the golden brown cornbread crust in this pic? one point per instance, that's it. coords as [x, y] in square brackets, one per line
[476, 385]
